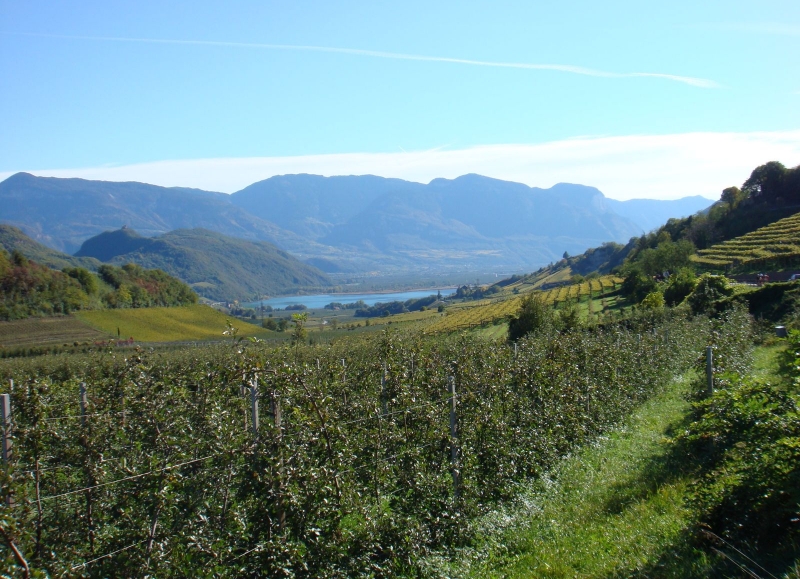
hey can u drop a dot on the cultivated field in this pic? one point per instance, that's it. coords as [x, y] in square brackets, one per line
[166, 324]
[777, 240]
[47, 331]
[595, 294]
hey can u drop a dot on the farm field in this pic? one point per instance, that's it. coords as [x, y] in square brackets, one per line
[47, 331]
[166, 324]
[777, 240]
[593, 297]
[363, 467]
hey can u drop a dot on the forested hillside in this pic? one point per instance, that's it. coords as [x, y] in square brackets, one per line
[771, 193]
[30, 289]
[13, 238]
[216, 266]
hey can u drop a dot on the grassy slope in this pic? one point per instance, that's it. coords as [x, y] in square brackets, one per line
[166, 324]
[604, 512]
[615, 509]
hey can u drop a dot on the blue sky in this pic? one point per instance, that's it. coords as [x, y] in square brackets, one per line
[637, 99]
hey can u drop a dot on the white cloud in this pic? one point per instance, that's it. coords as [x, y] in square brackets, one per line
[568, 68]
[647, 166]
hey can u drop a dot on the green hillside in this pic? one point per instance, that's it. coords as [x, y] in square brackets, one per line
[779, 240]
[12, 238]
[30, 289]
[216, 266]
[195, 322]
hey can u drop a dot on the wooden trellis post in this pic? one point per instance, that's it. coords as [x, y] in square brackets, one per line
[384, 400]
[254, 405]
[710, 369]
[5, 417]
[84, 401]
[275, 403]
[453, 438]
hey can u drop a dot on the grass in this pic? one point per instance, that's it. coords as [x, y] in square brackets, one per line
[493, 331]
[196, 322]
[46, 331]
[617, 508]
[607, 511]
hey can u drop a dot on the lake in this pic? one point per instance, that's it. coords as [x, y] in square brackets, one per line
[319, 301]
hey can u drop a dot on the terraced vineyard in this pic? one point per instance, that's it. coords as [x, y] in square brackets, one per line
[486, 312]
[777, 240]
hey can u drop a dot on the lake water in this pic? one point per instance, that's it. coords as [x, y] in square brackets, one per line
[321, 300]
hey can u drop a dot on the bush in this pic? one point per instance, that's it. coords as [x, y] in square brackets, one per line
[709, 289]
[746, 439]
[637, 285]
[533, 316]
[680, 285]
[653, 301]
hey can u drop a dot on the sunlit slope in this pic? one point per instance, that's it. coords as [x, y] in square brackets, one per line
[197, 322]
[779, 239]
[478, 313]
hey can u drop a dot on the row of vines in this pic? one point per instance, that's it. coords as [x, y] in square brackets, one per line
[779, 239]
[358, 466]
[471, 315]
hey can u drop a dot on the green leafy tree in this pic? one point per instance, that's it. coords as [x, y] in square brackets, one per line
[667, 256]
[708, 290]
[299, 333]
[637, 285]
[680, 285]
[569, 317]
[87, 280]
[533, 316]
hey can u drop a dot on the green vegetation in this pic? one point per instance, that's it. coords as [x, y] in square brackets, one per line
[29, 289]
[589, 298]
[13, 239]
[195, 322]
[217, 267]
[577, 450]
[686, 489]
[47, 331]
[358, 476]
[395, 307]
[139, 288]
[608, 511]
[775, 244]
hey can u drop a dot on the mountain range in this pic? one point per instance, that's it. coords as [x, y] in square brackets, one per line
[349, 223]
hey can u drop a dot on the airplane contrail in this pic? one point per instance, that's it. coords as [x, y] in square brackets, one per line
[690, 80]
